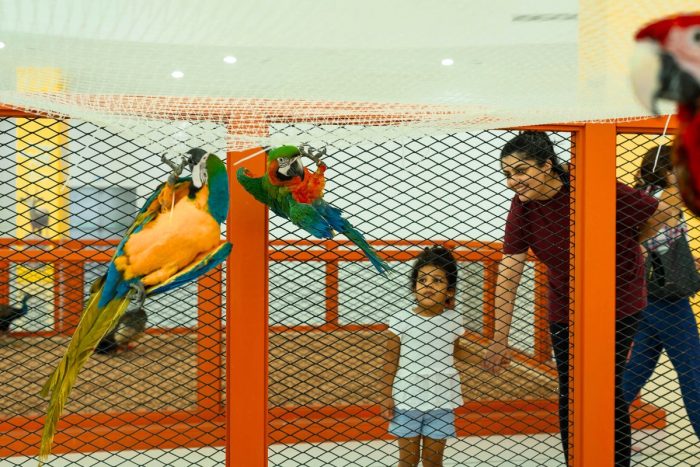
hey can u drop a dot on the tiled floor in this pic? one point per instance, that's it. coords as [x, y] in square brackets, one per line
[676, 446]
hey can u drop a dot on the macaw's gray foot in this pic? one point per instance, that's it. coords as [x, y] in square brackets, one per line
[176, 168]
[314, 154]
[138, 294]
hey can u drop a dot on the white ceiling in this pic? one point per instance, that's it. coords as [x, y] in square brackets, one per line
[515, 61]
[333, 24]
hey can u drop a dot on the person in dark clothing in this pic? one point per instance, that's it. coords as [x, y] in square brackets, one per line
[539, 219]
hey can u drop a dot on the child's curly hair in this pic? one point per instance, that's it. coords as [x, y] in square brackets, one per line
[441, 258]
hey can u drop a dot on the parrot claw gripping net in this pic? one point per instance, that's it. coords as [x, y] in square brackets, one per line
[176, 169]
[158, 253]
[137, 295]
[314, 154]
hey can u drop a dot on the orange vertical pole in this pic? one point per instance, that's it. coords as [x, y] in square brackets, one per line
[209, 344]
[69, 290]
[5, 283]
[593, 338]
[247, 318]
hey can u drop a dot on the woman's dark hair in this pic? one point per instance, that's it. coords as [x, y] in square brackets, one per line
[655, 177]
[441, 258]
[536, 146]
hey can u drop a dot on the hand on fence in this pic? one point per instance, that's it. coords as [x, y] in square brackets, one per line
[496, 357]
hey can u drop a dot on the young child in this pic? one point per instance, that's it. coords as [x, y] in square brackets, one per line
[423, 386]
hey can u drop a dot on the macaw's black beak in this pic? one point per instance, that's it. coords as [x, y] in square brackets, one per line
[675, 84]
[195, 155]
[290, 168]
[297, 169]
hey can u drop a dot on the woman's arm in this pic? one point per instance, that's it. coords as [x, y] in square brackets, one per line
[392, 346]
[510, 272]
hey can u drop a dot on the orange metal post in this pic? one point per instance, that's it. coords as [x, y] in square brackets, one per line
[653, 125]
[5, 283]
[247, 321]
[593, 339]
[69, 292]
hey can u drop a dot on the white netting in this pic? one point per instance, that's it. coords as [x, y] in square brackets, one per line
[376, 65]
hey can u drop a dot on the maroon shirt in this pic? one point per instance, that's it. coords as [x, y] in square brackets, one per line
[544, 226]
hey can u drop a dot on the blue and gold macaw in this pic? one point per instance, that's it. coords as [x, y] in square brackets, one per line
[174, 239]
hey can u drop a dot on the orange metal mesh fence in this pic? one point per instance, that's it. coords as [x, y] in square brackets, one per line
[69, 192]
[663, 364]
[330, 315]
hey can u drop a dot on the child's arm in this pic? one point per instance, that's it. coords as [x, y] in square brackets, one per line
[509, 273]
[391, 363]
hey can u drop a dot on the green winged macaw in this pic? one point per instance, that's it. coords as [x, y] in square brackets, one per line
[294, 192]
[666, 65]
[174, 239]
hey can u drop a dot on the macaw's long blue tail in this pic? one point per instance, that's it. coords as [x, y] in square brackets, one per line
[334, 217]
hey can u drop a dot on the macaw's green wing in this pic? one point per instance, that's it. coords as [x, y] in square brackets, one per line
[195, 270]
[253, 186]
[305, 216]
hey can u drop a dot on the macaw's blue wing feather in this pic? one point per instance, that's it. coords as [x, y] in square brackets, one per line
[197, 269]
[333, 216]
[309, 219]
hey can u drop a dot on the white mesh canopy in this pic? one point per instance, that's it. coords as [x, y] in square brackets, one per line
[390, 68]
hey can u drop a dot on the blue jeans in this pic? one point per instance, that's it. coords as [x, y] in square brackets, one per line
[435, 424]
[671, 326]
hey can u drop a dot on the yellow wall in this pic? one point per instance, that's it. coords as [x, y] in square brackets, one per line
[41, 173]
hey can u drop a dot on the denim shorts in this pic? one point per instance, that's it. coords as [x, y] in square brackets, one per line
[435, 424]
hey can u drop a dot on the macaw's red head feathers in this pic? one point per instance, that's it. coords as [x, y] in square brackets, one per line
[666, 63]
[659, 30]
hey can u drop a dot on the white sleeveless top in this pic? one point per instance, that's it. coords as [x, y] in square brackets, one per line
[426, 378]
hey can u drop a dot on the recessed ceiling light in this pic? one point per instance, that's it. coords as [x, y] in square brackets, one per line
[2, 45]
[447, 62]
[230, 59]
[177, 74]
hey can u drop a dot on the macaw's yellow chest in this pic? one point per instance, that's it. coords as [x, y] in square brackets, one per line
[169, 243]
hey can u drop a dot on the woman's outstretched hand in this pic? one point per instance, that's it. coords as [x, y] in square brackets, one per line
[496, 357]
